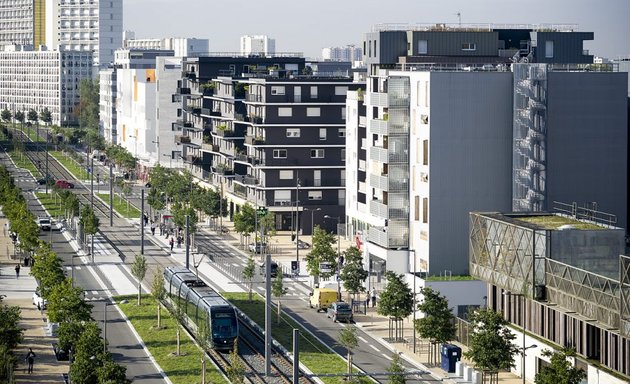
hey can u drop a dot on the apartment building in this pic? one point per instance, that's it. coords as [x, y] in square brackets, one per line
[257, 45]
[563, 278]
[22, 22]
[475, 130]
[43, 79]
[181, 46]
[349, 53]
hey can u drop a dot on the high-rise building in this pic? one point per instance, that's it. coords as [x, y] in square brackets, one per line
[349, 53]
[257, 45]
[22, 22]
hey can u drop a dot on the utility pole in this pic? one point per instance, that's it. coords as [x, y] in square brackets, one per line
[297, 221]
[111, 195]
[267, 315]
[46, 178]
[92, 184]
[296, 356]
[187, 242]
[142, 223]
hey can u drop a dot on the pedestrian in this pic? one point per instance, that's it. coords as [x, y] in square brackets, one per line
[17, 271]
[146, 219]
[161, 228]
[179, 241]
[153, 228]
[30, 359]
[172, 242]
[367, 302]
[373, 297]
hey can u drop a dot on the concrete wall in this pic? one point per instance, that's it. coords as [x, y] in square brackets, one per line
[587, 120]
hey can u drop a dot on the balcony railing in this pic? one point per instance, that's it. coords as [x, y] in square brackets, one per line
[182, 139]
[246, 179]
[251, 140]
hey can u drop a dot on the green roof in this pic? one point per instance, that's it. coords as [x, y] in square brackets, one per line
[552, 222]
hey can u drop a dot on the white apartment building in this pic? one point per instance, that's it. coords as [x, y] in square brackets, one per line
[165, 151]
[85, 25]
[349, 53]
[107, 105]
[43, 79]
[257, 45]
[18, 22]
[181, 46]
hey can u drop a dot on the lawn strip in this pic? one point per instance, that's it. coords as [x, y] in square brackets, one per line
[125, 209]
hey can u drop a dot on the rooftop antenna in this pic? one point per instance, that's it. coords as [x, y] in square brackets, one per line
[459, 17]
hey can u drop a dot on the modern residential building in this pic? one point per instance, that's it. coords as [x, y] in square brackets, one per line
[88, 26]
[107, 105]
[43, 79]
[453, 124]
[349, 53]
[257, 45]
[561, 278]
[181, 46]
[22, 22]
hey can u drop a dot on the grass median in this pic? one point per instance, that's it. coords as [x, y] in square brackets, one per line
[162, 343]
[51, 203]
[21, 161]
[78, 171]
[125, 209]
[313, 354]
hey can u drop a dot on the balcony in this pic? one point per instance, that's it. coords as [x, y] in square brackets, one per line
[195, 110]
[253, 98]
[379, 182]
[223, 170]
[192, 159]
[378, 127]
[224, 132]
[210, 112]
[378, 236]
[378, 209]
[183, 91]
[246, 179]
[251, 140]
[191, 75]
[378, 154]
[378, 99]
[182, 139]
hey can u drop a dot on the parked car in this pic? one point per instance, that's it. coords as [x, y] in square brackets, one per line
[46, 180]
[64, 184]
[257, 247]
[322, 298]
[340, 311]
[303, 244]
[274, 269]
[60, 354]
[39, 301]
[44, 224]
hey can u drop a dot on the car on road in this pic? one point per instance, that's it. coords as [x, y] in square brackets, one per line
[46, 180]
[302, 244]
[257, 247]
[39, 301]
[44, 224]
[64, 184]
[340, 311]
[274, 269]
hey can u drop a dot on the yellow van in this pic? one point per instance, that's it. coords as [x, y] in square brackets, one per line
[322, 298]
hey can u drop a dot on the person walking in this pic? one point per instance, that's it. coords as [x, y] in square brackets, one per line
[153, 228]
[373, 297]
[30, 359]
[17, 271]
[172, 242]
[179, 241]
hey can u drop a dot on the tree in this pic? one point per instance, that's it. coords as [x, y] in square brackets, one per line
[47, 269]
[6, 115]
[396, 300]
[88, 109]
[88, 356]
[90, 224]
[112, 373]
[236, 370]
[19, 116]
[322, 251]
[139, 270]
[248, 274]
[158, 291]
[69, 333]
[438, 323]
[244, 220]
[349, 340]
[203, 338]
[45, 116]
[491, 348]
[156, 198]
[397, 370]
[560, 370]
[180, 212]
[11, 334]
[178, 314]
[65, 303]
[278, 290]
[353, 274]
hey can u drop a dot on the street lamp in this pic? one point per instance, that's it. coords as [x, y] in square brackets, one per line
[105, 305]
[312, 224]
[338, 218]
[523, 349]
[297, 221]
[415, 307]
[157, 143]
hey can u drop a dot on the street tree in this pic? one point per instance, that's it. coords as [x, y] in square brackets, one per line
[560, 370]
[248, 274]
[245, 221]
[203, 338]
[68, 334]
[33, 117]
[353, 274]
[45, 116]
[112, 373]
[180, 211]
[397, 370]
[491, 346]
[88, 356]
[322, 251]
[349, 340]
[11, 334]
[90, 224]
[126, 192]
[278, 290]
[236, 370]
[396, 301]
[88, 109]
[47, 269]
[159, 292]
[139, 270]
[179, 315]
[65, 303]
[6, 115]
[438, 323]
[156, 198]
[19, 116]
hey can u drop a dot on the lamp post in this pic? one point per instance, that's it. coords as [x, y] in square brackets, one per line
[522, 296]
[297, 221]
[157, 143]
[415, 307]
[338, 218]
[105, 305]
[312, 224]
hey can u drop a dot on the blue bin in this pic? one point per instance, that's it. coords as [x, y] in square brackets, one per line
[451, 354]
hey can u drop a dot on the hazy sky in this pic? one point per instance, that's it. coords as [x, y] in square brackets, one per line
[308, 26]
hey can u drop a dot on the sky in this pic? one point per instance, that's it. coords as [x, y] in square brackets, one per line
[301, 26]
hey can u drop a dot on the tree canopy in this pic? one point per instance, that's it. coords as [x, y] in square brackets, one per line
[560, 370]
[438, 323]
[65, 303]
[491, 348]
[353, 274]
[321, 251]
[396, 300]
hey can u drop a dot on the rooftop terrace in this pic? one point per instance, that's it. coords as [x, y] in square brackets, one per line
[555, 222]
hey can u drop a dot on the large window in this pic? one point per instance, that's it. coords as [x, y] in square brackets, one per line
[314, 195]
[322, 133]
[277, 90]
[286, 175]
[279, 153]
[316, 153]
[285, 112]
[341, 91]
[293, 132]
[313, 92]
[469, 47]
[549, 49]
[313, 112]
[422, 47]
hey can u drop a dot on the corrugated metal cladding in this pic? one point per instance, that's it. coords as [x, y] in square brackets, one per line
[450, 43]
[384, 47]
[567, 47]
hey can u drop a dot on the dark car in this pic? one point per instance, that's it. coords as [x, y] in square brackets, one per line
[274, 269]
[257, 247]
[64, 184]
[46, 180]
[340, 311]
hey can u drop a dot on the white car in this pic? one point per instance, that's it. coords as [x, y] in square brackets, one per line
[44, 224]
[39, 301]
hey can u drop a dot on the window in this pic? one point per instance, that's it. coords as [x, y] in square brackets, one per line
[469, 47]
[293, 132]
[286, 175]
[313, 112]
[343, 154]
[315, 153]
[313, 92]
[417, 208]
[341, 91]
[343, 113]
[322, 133]
[277, 90]
[549, 49]
[422, 47]
[314, 195]
[279, 153]
[285, 112]
[342, 132]
[424, 119]
[425, 210]
[425, 152]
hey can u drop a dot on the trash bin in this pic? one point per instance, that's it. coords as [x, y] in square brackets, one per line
[451, 354]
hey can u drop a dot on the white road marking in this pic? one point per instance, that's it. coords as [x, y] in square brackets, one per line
[363, 339]
[78, 268]
[95, 292]
[387, 357]
[374, 348]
